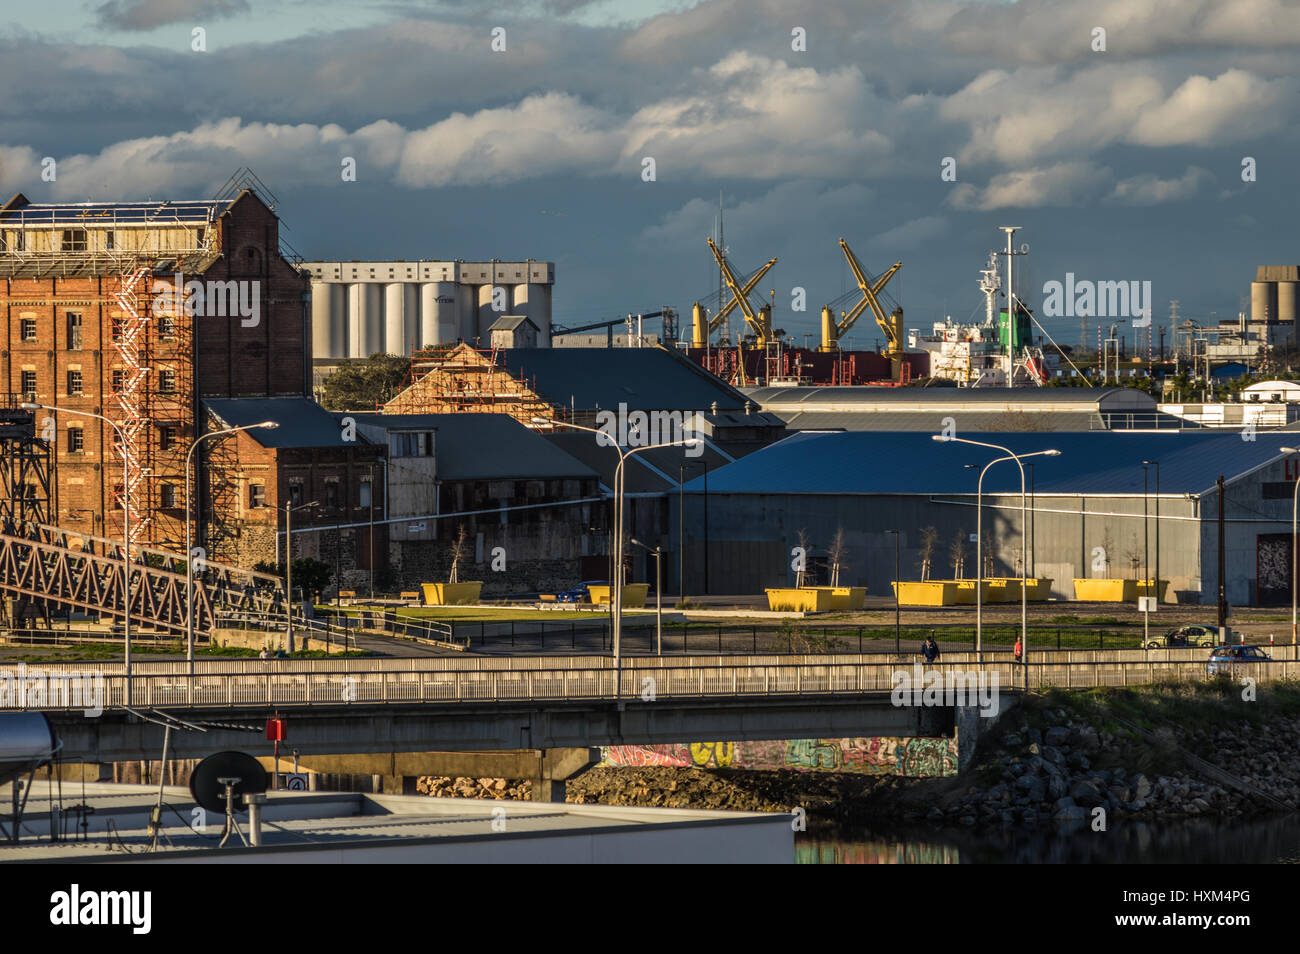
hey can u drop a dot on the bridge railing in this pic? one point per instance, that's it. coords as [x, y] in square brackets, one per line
[276, 687]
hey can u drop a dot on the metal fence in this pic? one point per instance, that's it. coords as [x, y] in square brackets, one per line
[415, 684]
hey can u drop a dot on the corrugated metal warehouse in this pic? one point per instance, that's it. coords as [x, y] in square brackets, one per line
[1086, 510]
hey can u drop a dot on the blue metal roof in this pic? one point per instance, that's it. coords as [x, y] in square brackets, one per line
[908, 462]
[303, 422]
[649, 379]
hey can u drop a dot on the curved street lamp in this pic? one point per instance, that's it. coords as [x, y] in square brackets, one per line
[1024, 542]
[189, 556]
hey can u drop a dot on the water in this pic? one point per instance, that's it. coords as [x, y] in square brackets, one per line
[1218, 841]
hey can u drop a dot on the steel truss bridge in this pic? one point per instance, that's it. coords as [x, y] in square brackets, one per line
[49, 571]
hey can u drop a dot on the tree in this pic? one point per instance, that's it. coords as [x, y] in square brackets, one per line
[801, 573]
[309, 574]
[457, 551]
[837, 551]
[361, 385]
[929, 541]
[957, 554]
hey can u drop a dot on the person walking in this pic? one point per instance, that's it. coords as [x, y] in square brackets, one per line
[1018, 650]
[930, 649]
[264, 654]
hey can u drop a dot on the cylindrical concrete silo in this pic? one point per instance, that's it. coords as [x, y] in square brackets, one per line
[321, 346]
[439, 313]
[395, 307]
[535, 302]
[467, 312]
[1263, 301]
[411, 317]
[487, 315]
[1287, 294]
[338, 309]
[364, 315]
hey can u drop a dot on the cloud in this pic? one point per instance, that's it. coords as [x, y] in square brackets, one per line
[1064, 183]
[911, 234]
[147, 14]
[786, 208]
[1047, 31]
[1150, 189]
[1041, 112]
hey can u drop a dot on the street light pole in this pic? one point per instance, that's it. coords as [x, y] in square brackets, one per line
[616, 595]
[189, 556]
[1295, 503]
[1146, 563]
[126, 530]
[1024, 545]
[898, 582]
[657, 553]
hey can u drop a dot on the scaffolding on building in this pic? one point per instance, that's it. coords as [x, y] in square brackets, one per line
[148, 377]
[465, 380]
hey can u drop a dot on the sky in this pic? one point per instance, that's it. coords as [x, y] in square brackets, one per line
[810, 121]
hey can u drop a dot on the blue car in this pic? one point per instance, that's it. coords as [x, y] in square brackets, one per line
[1228, 659]
[580, 593]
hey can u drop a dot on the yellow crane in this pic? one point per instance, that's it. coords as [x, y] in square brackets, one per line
[891, 324]
[760, 322]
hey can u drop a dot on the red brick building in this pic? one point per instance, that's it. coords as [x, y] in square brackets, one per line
[92, 323]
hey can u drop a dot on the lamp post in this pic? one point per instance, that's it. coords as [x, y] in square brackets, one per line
[1295, 501]
[290, 509]
[126, 530]
[616, 592]
[681, 524]
[1033, 526]
[189, 556]
[1024, 542]
[1156, 465]
[898, 650]
[657, 553]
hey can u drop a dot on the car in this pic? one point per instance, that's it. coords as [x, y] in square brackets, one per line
[579, 593]
[1227, 659]
[1191, 635]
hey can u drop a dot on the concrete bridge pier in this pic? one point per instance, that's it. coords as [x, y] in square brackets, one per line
[397, 773]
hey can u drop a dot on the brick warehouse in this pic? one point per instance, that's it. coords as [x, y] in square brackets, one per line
[91, 325]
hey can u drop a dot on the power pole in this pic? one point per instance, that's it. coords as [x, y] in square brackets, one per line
[1223, 602]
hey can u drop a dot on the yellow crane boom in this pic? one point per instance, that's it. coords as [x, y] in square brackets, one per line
[891, 325]
[761, 323]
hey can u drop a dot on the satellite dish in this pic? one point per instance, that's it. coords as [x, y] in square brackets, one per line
[209, 792]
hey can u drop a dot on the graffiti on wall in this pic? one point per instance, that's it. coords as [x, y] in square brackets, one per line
[871, 756]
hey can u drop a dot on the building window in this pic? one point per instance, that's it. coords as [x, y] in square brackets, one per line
[295, 495]
[166, 326]
[29, 329]
[110, 240]
[167, 496]
[256, 496]
[29, 384]
[413, 444]
[117, 327]
[76, 440]
[1277, 491]
[74, 240]
[74, 382]
[167, 381]
[363, 498]
[74, 331]
[332, 495]
[118, 378]
[166, 437]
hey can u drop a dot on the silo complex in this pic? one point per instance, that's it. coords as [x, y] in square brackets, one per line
[361, 308]
[1263, 301]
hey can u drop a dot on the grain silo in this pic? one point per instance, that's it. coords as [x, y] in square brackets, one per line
[439, 319]
[328, 317]
[1263, 301]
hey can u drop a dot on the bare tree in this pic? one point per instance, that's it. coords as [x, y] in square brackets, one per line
[801, 573]
[457, 551]
[957, 554]
[929, 542]
[1107, 545]
[837, 551]
[990, 553]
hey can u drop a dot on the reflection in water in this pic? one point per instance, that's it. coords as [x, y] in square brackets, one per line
[1273, 840]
